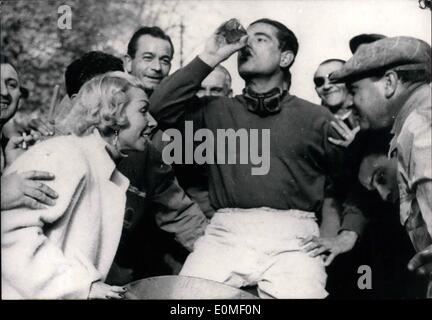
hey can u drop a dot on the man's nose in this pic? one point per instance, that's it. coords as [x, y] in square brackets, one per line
[156, 65]
[327, 85]
[151, 122]
[4, 90]
[383, 192]
[249, 41]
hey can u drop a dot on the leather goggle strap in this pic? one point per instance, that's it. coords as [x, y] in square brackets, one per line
[264, 104]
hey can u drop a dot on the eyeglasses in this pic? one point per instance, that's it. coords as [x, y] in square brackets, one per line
[319, 81]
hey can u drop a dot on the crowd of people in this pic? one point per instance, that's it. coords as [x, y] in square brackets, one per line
[88, 203]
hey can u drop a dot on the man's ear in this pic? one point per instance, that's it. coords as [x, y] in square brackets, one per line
[127, 63]
[73, 98]
[391, 81]
[287, 58]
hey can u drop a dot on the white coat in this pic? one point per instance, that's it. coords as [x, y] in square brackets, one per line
[59, 251]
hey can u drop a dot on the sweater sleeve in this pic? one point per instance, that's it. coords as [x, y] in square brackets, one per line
[176, 213]
[176, 95]
[33, 264]
[352, 218]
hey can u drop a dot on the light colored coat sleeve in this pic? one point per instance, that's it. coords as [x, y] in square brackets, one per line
[33, 265]
[421, 179]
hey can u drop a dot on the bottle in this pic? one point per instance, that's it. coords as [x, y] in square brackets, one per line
[232, 30]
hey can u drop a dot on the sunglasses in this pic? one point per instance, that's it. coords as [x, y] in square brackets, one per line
[319, 81]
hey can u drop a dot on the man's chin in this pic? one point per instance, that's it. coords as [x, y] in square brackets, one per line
[333, 107]
[364, 124]
[245, 73]
[140, 147]
[149, 84]
[6, 115]
[393, 198]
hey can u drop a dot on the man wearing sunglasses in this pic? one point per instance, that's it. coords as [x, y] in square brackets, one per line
[334, 96]
[337, 99]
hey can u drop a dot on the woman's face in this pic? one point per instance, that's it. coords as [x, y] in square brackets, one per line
[141, 123]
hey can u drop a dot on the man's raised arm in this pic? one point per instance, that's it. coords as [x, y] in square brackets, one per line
[177, 93]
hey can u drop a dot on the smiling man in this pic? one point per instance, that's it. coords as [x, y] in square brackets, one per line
[23, 189]
[334, 96]
[254, 237]
[10, 91]
[149, 56]
[390, 83]
[9, 99]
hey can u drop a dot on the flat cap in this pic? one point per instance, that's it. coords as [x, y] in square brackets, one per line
[401, 53]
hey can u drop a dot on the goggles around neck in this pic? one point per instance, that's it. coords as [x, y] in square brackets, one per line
[264, 104]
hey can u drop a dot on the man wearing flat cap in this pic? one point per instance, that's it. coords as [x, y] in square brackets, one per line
[390, 83]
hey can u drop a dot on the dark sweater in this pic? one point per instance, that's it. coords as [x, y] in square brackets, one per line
[152, 183]
[302, 161]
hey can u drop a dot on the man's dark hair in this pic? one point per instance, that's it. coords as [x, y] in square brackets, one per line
[155, 32]
[364, 38]
[88, 66]
[5, 60]
[287, 38]
[414, 76]
[24, 93]
[332, 60]
[287, 41]
[367, 143]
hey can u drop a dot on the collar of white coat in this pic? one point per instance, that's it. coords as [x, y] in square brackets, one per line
[96, 147]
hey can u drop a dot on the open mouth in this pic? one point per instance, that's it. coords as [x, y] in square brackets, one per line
[355, 113]
[329, 93]
[154, 79]
[146, 133]
[245, 54]
[4, 106]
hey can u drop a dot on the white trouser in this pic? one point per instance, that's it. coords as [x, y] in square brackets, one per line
[260, 246]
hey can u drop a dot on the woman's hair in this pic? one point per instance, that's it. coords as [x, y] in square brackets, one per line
[101, 104]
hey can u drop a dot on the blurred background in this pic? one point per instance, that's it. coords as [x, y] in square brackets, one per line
[31, 37]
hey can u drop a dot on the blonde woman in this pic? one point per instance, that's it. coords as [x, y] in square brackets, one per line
[65, 251]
